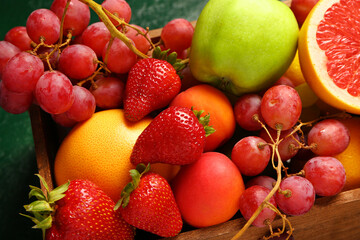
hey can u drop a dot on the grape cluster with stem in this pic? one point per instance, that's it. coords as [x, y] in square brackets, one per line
[276, 114]
[70, 68]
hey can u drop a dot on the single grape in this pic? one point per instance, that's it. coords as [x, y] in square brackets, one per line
[19, 37]
[261, 180]
[288, 147]
[327, 175]
[63, 120]
[297, 196]
[54, 92]
[43, 52]
[43, 23]
[251, 199]
[77, 16]
[7, 51]
[328, 137]
[301, 9]
[120, 58]
[188, 80]
[251, 155]
[96, 36]
[22, 72]
[245, 108]
[284, 81]
[109, 92]
[120, 8]
[177, 34]
[83, 106]
[13, 102]
[281, 107]
[78, 61]
[141, 43]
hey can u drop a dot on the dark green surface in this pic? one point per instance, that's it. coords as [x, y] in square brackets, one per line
[17, 154]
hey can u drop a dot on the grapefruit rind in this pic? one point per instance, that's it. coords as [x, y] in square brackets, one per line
[313, 63]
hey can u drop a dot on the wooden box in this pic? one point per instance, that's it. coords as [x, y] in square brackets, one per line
[336, 218]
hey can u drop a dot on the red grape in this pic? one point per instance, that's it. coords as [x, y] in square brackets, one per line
[326, 174]
[83, 106]
[251, 199]
[14, 102]
[300, 195]
[120, 58]
[281, 107]
[96, 36]
[329, 137]
[7, 51]
[301, 9]
[245, 108]
[53, 59]
[43, 23]
[288, 147]
[261, 180]
[19, 37]
[78, 61]
[22, 72]
[284, 81]
[63, 120]
[54, 92]
[177, 34]
[109, 92]
[119, 8]
[77, 16]
[251, 155]
[141, 43]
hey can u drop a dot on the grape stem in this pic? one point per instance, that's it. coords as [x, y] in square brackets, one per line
[102, 13]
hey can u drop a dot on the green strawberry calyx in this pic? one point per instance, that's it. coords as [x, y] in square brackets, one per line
[171, 58]
[204, 121]
[136, 175]
[44, 207]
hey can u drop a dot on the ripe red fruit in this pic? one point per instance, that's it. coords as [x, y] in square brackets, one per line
[208, 191]
[175, 136]
[78, 210]
[148, 203]
[151, 85]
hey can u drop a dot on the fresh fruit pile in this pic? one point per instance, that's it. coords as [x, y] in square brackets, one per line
[205, 124]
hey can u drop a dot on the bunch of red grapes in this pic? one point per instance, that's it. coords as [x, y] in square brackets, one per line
[70, 68]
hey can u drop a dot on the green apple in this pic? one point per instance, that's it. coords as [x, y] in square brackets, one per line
[243, 46]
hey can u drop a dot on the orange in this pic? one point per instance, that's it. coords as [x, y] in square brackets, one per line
[350, 158]
[99, 150]
[212, 101]
[329, 53]
[293, 73]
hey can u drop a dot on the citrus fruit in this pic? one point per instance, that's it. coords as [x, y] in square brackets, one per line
[307, 95]
[99, 150]
[293, 73]
[214, 102]
[350, 158]
[329, 53]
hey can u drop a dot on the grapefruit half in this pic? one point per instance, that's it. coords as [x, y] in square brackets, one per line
[329, 53]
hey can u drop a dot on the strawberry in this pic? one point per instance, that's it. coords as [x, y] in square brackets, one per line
[77, 210]
[175, 136]
[148, 203]
[151, 85]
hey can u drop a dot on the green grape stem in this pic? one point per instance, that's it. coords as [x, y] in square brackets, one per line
[99, 10]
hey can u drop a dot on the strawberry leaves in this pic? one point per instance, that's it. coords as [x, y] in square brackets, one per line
[171, 58]
[44, 206]
[136, 175]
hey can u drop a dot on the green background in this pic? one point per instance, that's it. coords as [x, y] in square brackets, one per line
[17, 154]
